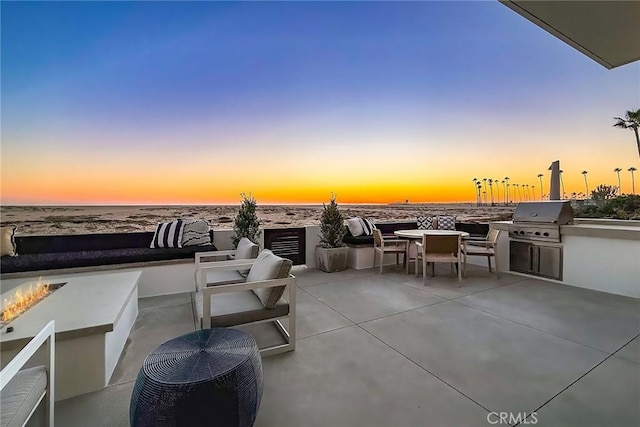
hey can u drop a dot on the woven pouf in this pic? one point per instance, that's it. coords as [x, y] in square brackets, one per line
[211, 377]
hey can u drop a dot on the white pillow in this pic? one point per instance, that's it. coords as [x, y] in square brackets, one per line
[355, 227]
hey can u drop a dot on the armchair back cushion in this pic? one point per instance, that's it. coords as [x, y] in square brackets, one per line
[269, 266]
[246, 249]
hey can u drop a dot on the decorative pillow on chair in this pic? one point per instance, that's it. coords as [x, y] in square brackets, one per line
[425, 223]
[355, 227]
[367, 227]
[195, 233]
[269, 266]
[8, 241]
[168, 235]
[446, 222]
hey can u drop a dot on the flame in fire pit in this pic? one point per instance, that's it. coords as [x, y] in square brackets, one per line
[21, 301]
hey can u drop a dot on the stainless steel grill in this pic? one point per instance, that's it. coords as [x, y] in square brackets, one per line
[540, 221]
[534, 246]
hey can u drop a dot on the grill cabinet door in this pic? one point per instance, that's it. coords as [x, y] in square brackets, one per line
[549, 262]
[520, 257]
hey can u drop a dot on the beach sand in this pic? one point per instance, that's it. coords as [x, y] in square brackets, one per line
[49, 220]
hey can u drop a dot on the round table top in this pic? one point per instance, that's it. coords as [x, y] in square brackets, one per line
[199, 356]
[417, 234]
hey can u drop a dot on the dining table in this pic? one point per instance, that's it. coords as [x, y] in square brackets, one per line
[416, 235]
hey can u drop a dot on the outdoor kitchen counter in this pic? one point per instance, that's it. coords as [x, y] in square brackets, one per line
[588, 227]
[598, 254]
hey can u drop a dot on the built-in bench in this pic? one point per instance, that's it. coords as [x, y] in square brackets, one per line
[45, 253]
[165, 270]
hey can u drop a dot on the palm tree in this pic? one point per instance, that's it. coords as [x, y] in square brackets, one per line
[617, 171]
[504, 188]
[631, 121]
[495, 181]
[479, 188]
[485, 190]
[475, 186]
[540, 178]
[562, 184]
[586, 186]
[491, 189]
[533, 191]
[506, 178]
[633, 179]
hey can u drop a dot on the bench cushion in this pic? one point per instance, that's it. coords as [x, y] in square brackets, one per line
[21, 395]
[237, 308]
[58, 260]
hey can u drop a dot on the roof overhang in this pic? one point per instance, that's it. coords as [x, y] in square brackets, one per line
[606, 31]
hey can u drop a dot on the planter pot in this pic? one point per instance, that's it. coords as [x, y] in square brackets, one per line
[331, 259]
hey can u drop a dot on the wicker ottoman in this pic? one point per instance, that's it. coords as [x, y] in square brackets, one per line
[208, 377]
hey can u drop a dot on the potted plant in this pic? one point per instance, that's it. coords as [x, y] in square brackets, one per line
[331, 253]
[246, 223]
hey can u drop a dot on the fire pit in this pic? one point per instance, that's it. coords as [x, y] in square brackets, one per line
[23, 298]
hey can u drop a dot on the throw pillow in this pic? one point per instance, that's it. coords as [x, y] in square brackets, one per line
[355, 227]
[195, 233]
[446, 222]
[168, 235]
[425, 223]
[367, 226]
[7, 240]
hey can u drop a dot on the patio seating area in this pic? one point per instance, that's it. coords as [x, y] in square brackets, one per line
[386, 350]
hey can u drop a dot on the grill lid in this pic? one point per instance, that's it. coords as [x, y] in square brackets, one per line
[557, 212]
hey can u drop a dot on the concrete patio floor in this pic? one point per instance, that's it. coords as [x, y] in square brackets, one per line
[385, 350]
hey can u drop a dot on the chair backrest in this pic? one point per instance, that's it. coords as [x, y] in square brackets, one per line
[441, 244]
[377, 238]
[492, 235]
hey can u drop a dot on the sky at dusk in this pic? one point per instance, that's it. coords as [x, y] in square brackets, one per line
[197, 102]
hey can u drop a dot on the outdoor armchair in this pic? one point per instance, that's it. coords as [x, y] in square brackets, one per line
[23, 390]
[246, 249]
[267, 294]
[438, 249]
[486, 247]
[385, 245]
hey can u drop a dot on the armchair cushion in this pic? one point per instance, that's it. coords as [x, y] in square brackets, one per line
[216, 278]
[267, 267]
[237, 308]
[246, 249]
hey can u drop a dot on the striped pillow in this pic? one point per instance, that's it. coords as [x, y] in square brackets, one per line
[168, 235]
[196, 233]
[367, 226]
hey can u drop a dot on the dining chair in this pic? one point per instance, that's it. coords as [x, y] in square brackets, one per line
[386, 245]
[486, 247]
[438, 249]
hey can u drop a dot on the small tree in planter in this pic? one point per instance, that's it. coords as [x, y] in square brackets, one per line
[331, 253]
[246, 223]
